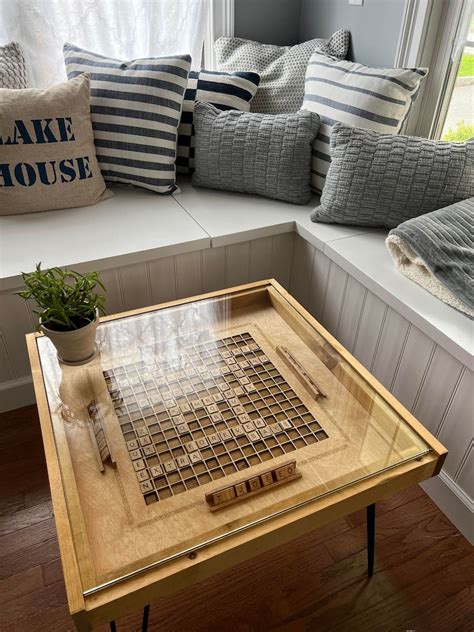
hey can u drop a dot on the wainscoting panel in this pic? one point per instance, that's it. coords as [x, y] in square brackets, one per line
[424, 376]
[351, 312]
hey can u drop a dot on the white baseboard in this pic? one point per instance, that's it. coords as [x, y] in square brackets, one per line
[453, 502]
[16, 394]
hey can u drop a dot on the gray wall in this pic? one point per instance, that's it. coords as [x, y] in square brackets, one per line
[374, 27]
[268, 21]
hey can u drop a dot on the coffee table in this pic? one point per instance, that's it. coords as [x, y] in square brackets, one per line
[205, 432]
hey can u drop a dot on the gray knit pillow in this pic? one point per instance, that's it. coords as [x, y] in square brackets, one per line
[382, 180]
[13, 73]
[265, 154]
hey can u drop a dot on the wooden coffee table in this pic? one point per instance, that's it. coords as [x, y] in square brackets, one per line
[207, 431]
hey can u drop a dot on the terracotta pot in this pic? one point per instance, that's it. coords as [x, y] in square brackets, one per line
[76, 346]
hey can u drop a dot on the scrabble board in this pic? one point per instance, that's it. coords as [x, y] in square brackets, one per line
[214, 408]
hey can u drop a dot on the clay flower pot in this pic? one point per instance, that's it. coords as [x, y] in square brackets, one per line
[76, 346]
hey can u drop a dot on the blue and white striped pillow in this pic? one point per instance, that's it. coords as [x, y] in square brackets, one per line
[224, 90]
[378, 99]
[135, 110]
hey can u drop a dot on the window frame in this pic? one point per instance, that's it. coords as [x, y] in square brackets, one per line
[220, 23]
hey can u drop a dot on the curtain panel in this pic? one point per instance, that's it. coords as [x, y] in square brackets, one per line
[123, 29]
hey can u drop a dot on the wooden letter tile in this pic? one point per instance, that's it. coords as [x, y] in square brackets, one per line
[139, 465]
[156, 471]
[240, 489]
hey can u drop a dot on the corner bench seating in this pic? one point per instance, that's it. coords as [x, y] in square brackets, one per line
[152, 248]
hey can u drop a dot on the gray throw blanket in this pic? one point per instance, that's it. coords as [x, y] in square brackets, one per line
[436, 251]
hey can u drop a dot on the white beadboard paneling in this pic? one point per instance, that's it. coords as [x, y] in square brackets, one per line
[237, 263]
[303, 256]
[437, 389]
[335, 291]
[189, 274]
[260, 263]
[351, 311]
[465, 475]
[6, 366]
[15, 323]
[135, 285]
[392, 340]
[414, 366]
[282, 255]
[319, 282]
[213, 269]
[163, 280]
[113, 294]
[373, 315]
[457, 426]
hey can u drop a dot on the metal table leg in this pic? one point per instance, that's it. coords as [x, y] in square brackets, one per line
[146, 614]
[370, 539]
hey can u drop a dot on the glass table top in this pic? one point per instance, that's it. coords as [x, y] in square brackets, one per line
[200, 420]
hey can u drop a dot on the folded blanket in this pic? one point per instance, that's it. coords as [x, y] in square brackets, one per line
[436, 251]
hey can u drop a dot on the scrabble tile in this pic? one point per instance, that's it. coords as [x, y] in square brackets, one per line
[195, 457]
[233, 401]
[149, 450]
[144, 440]
[239, 410]
[142, 475]
[259, 423]
[225, 435]
[254, 436]
[254, 483]
[132, 445]
[139, 464]
[238, 431]
[285, 424]
[212, 408]
[170, 466]
[265, 432]
[135, 454]
[238, 391]
[284, 472]
[223, 495]
[267, 479]
[142, 432]
[240, 489]
[214, 438]
[243, 380]
[146, 486]
[182, 428]
[196, 404]
[244, 364]
[208, 401]
[264, 359]
[182, 461]
[250, 388]
[216, 417]
[190, 446]
[202, 443]
[156, 471]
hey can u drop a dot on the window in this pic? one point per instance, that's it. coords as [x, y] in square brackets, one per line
[124, 29]
[457, 123]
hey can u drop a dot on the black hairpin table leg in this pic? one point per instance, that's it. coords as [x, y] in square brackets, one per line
[113, 627]
[370, 539]
[146, 613]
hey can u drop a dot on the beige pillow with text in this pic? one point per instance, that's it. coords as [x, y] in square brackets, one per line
[47, 153]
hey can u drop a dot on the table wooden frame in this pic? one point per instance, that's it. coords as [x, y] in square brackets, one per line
[136, 592]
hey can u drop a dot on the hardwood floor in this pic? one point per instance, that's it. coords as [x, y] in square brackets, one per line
[423, 579]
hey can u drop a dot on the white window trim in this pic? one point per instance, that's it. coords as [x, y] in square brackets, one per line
[428, 37]
[220, 23]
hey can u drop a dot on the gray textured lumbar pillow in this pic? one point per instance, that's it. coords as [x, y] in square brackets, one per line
[343, 91]
[254, 153]
[13, 73]
[281, 68]
[382, 180]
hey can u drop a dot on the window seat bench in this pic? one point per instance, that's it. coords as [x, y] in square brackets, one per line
[151, 249]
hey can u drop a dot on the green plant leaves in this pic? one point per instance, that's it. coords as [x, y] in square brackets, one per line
[67, 299]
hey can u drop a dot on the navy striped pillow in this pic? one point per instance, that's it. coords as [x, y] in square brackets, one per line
[225, 91]
[378, 99]
[135, 110]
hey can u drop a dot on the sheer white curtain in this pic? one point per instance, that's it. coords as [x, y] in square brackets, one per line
[125, 29]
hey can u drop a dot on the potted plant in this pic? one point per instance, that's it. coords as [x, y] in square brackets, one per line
[68, 310]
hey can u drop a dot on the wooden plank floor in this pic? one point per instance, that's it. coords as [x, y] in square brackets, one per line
[423, 580]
